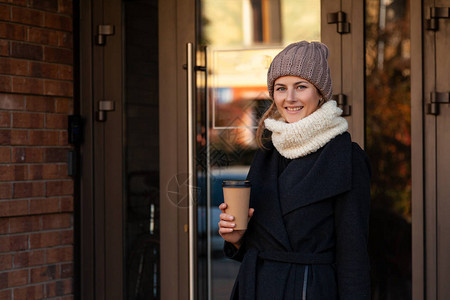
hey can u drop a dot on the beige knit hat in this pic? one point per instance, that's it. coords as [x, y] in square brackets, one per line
[305, 60]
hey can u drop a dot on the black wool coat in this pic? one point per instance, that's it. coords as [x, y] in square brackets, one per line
[308, 236]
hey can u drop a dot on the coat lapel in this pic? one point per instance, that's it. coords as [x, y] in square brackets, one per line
[264, 196]
[318, 176]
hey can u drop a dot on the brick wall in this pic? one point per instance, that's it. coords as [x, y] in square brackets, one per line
[36, 195]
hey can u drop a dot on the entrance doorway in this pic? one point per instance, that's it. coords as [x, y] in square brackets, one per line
[154, 168]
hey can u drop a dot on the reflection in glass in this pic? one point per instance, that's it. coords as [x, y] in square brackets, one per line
[388, 136]
[141, 142]
[242, 37]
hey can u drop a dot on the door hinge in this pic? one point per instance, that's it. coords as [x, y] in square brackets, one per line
[102, 32]
[339, 18]
[341, 100]
[437, 98]
[103, 107]
[437, 13]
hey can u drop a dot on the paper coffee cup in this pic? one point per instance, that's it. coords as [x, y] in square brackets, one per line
[236, 194]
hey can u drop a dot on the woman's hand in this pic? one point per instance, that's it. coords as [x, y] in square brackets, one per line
[226, 226]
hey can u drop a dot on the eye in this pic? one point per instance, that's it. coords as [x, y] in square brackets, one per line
[301, 87]
[280, 88]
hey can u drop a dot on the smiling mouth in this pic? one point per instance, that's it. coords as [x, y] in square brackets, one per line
[297, 108]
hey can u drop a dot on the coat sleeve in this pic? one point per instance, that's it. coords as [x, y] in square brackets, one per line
[352, 226]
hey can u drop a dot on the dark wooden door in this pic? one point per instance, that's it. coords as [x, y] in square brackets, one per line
[436, 45]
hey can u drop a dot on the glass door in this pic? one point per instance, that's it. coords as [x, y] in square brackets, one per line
[236, 42]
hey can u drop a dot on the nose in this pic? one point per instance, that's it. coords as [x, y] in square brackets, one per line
[291, 95]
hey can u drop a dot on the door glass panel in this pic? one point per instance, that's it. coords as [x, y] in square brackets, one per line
[236, 41]
[388, 145]
[141, 149]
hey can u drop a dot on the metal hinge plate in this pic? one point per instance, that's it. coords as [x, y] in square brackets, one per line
[339, 18]
[437, 13]
[437, 98]
[103, 107]
[102, 32]
[341, 100]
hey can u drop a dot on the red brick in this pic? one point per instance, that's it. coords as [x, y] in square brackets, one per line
[48, 171]
[25, 224]
[40, 103]
[4, 225]
[29, 292]
[28, 120]
[44, 70]
[59, 288]
[6, 294]
[64, 105]
[26, 155]
[56, 221]
[65, 7]
[55, 255]
[44, 138]
[29, 258]
[56, 154]
[45, 239]
[66, 270]
[46, 205]
[5, 119]
[5, 137]
[65, 39]
[66, 204]
[63, 138]
[4, 48]
[12, 102]
[13, 208]
[65, 72]
[27, 16]
[19, 137]
[43, 36]
[5, 84]
[59, 188]
[12, 172]
[67, 237]
[12, 31]
[5, 12]
[5, 262]
[5, 190]
[58, 88]
[48, 5]
[17, 278]
[28, 51]
[13, 66]
[27, 85]
[58, 55]
[29, 189]
[56, 121]
[13, 243]
[3, 280]
[58, 22]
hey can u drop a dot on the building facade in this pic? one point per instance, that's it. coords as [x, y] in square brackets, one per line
[120, 118]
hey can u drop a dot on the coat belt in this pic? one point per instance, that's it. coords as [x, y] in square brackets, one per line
[247, 272]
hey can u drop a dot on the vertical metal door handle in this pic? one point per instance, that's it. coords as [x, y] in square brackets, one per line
[191, 166]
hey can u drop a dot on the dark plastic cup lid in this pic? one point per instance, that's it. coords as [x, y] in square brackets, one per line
[236, 183]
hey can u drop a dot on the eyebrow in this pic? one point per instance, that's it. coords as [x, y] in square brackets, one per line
[303, 81]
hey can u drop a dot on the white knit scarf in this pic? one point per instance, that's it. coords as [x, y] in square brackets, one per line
[293, 140]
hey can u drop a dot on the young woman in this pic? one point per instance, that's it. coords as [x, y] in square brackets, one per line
[307, 234]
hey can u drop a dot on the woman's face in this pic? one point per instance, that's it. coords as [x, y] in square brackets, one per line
[295, 98]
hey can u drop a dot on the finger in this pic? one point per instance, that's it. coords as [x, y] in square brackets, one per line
[226, 217]
[225, 230]
[226, 224]
[223, 207]
[251, 211]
